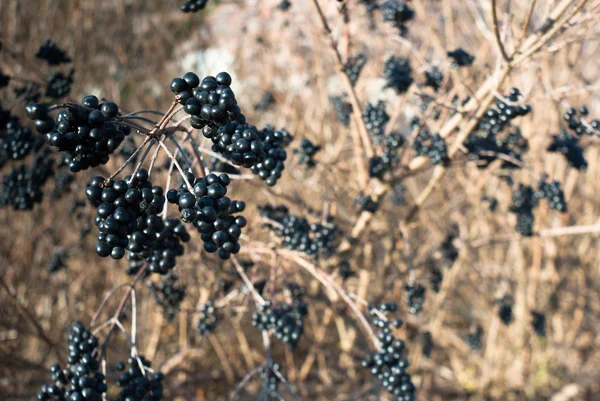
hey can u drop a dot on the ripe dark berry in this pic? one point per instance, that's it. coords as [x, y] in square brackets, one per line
[354, 66]
[52, 54]
[461, 58]
[397, 73]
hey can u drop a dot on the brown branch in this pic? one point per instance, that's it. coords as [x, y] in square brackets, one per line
[497, 32]
[32, 320]
[362, 143]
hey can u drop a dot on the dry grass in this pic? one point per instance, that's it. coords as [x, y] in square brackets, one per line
[129, 50]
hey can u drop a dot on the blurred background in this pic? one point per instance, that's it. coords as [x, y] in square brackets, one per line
[465, 253]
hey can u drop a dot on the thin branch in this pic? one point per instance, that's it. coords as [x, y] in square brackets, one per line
[497, 32]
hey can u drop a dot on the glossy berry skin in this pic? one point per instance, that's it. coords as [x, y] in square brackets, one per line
[36, 111]
[178, 85]
[192, 80]
[389, 364]
[125, 210]
[210, 102]
[212, 213]
[86, 134]
[287, 320]
[82, 379]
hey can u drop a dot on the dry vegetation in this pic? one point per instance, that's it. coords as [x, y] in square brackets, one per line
[128, 51]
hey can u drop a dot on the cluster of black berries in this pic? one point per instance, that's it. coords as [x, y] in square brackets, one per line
[427, 342]
[345, 270]
[29, 92]
[495, 120]
[210, 103]
[4, 79]
[193, 6]
[306, 153]
[473, 338]
[524, 200]
[169, 294]
[487, 146]
[161, 246]
[52, 54]
[274, 144]
[434, 78]
[580, 126]
[415, 297]
[62, 180]
[270, 375]
[397, 13]
[389, 365]
[436, 276]
[460, 58]
[538, 323]
[208, 319]
[297, 234]
[58, 261]
[284, 5]
[389, 158]
[207, 208]
[505, 309]
[398, 195]
[263, 151]
[87, 133]
[448, 250]
[397, 73]
[432, 146]
[375, 118]
[127, 213]
[137, 383]
[553, 194]
[287, 320]
[81, 380]
[17, 141]
[366, 204]
[343, 109]
[354, 66]
[492, 203]
[568, 145]
[58, 85]
[22, 187]
[266, 101]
